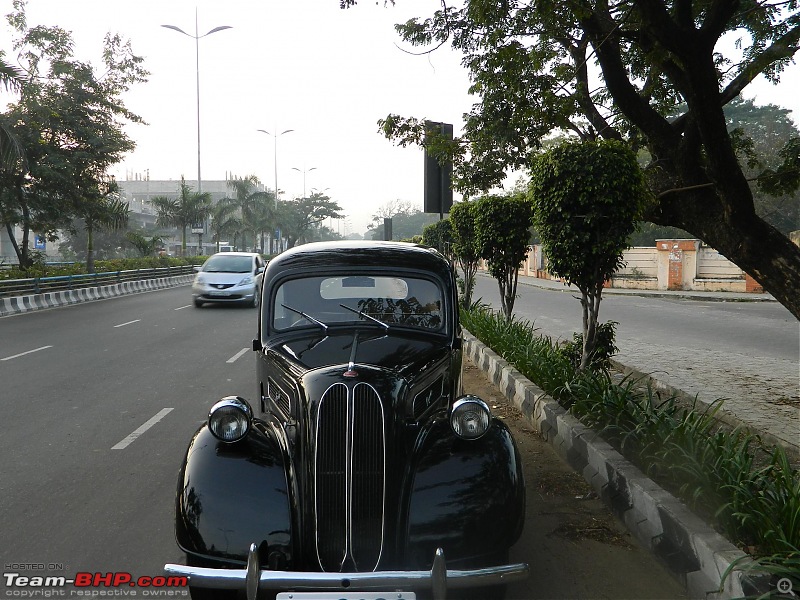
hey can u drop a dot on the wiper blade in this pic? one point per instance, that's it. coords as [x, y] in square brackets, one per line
[366, 316]
[308, 317]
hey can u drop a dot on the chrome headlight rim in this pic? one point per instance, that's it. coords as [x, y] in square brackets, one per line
[230, 419]
[470, 407]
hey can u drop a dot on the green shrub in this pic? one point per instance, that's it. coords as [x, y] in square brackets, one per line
[604, 348]
[101, 266]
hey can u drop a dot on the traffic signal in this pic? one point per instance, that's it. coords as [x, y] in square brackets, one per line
[437, 182]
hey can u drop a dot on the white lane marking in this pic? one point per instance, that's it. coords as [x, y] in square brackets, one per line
[182, 307]
[237, 356]
[128, 323]
[132, 437]
[24, 353]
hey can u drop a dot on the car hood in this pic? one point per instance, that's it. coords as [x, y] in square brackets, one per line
[231, 278]
[396, 351]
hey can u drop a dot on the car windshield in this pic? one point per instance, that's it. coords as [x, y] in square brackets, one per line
[393, 300]
[222, 263]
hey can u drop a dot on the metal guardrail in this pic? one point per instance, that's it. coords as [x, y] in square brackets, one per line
[40, 285]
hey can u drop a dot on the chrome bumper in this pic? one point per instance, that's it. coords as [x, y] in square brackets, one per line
[438, 579]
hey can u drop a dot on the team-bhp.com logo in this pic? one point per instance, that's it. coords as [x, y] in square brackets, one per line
[88, 581]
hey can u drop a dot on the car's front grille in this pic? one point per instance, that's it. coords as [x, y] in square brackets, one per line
[350, 478]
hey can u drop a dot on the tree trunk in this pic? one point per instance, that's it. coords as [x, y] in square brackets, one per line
[590, 304]
[469, 269]
[695, 173]
[90, 249]
[755, 246]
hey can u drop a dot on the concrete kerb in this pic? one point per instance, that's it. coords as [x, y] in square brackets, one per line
[21, 304]
[693, 552]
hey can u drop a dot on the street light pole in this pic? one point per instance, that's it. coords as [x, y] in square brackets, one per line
[197, 37]
[275, 137]
[304, 171]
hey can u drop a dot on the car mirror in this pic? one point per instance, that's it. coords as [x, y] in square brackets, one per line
[257, 347]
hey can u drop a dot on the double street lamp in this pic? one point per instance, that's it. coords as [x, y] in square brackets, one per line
[197, 37]
[304, 171]
[275, 137]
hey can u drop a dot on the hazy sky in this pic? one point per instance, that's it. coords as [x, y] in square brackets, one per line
[306, 65]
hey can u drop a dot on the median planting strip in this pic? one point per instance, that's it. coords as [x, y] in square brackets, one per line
[692, 550]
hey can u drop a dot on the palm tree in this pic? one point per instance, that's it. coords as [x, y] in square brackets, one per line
[181, 212]
[10, 148]
[253, 204]
[224, 221]
[263, 217]
[143, 245]
[108, 212]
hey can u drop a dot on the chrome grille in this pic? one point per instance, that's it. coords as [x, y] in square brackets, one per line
[331, 478]
[350, 478]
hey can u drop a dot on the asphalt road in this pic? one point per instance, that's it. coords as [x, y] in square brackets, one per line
[99, 401]
[79, 488]
[747, 353]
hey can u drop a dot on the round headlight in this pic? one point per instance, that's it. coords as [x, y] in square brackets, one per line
[470, 417]
[230, 419]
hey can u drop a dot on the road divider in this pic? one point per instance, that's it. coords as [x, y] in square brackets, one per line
[20, 304]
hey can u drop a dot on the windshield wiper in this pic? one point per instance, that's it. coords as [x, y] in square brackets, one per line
[308, 317]
[366, 316]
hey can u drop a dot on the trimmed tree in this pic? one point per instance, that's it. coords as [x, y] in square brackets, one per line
[439, 235]
[587, 197]
[654, 73]
[502, 235]
[465, 246]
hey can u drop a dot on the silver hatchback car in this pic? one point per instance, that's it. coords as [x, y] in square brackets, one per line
[232, 277]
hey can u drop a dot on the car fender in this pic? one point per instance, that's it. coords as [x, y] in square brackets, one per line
[232, 495]
[466, 496]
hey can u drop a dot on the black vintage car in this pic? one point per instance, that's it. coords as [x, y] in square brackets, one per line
[359, 467]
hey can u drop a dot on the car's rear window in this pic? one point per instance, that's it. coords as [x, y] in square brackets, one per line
[392, 299]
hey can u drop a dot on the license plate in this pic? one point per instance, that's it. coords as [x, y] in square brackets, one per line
[346, 596]
[219, 293]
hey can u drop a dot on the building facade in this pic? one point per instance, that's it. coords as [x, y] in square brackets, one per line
[138, 190]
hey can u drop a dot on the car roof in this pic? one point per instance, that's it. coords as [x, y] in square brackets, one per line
[362, 253]
[235, 254]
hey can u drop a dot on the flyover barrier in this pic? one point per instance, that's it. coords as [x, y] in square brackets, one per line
[39, 285]
[23, 295]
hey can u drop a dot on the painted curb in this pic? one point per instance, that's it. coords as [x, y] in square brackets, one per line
[20, 304]
[690, 549]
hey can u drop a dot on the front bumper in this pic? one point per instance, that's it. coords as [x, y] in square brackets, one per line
[438, 579]
[236, 293]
